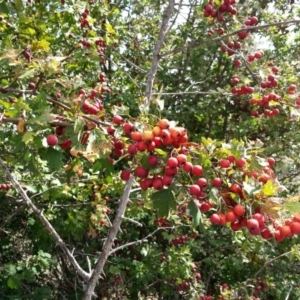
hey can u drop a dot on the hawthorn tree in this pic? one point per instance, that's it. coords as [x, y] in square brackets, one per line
[149, 149]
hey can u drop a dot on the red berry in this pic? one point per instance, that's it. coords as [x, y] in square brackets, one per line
[117, 120]
[157, 183]
[187, 167]
[271, 161]
[240, 162]
[285, 231]
[252, 224]
[52, 140]
[224, 163]
[141, 172]
[202, 182]
[197, 170]
[152, 160]
[125, 175]
[194, 189]
[215, 219]
[295, 227]
[217, 182]
[239, 210]
[231, 216]
[172, 162]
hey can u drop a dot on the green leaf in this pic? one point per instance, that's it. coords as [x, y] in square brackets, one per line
[120, 110]
[195, 212]
[28, 137]
[250, 189]
[164, 201]
[78, 126]
[114, 269]
[27, 74]
[11, 269]
[292, 206]
[54, 158]
[13, 283]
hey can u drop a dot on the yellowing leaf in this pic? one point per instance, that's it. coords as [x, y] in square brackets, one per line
[269, 189]
[109, 29]
[294, 199]
[21, 125]
[42, 45]
[92, 232]
[276, 208]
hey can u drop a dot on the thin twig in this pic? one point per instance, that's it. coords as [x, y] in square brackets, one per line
[145, 239]
[270, 261]
[133, 221]
[218, 39]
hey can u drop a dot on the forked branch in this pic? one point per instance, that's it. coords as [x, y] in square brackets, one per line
[106, 251]
[161, 37]
[85, 276]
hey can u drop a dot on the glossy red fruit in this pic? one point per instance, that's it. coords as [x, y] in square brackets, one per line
[136, 136]
[231, 216]
[152, 160]
[239, 210]
[171, 171]
[197, 170]
[187, 167]
[141, 172]
[132, 149]
[235, 226]
[224, 163]
[167, 180]
[52, 140]
[259, 217]
[182, 159]
[194, 189]
[235, 188]
[295, 227]
[125, 175]
[128, 128]
[240, 162]
[117, 120]
[215, 219]
[217, 182]
[205, 207]
[252, 224]
[266, 234]
[202, 182]
[285, 231]
[271, 161]
[31, 85]
[157, 183]
[142, 146]
[172, 162]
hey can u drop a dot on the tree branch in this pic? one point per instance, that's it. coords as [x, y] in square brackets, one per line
[156, 56]
[90, 287]
[218, 39]
[85, 276]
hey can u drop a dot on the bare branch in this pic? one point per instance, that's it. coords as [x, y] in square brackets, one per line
[194, 93]
[218, 39]
[85, 276]
[133, 221]
[156, 56]
[98, 270]
[270, 261]
[136, 242]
